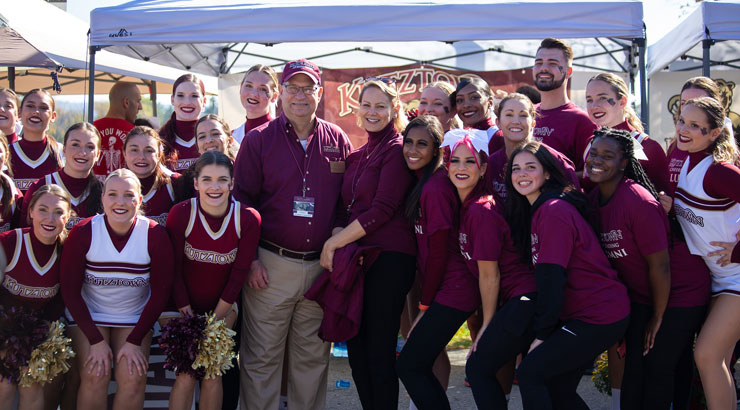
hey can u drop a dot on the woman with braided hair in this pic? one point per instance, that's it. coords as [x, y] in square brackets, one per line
[634, 232]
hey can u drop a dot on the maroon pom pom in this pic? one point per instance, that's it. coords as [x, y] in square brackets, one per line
[21, 331]
[179, 339]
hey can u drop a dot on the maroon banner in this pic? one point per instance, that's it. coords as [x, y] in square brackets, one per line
[342, 89]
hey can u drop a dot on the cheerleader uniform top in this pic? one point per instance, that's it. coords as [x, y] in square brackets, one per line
[78, 191]
[212, 254]
[241, 131]
[119, 282]
[159, 200]
[32, 160]
[706, 205]
[184, 142]
[31, 278]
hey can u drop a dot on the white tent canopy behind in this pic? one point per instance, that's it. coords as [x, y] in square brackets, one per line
[711, 21]
[221, 36]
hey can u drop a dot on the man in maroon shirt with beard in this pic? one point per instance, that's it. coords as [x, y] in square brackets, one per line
[560, 123]
[290, 170]
[125, 103]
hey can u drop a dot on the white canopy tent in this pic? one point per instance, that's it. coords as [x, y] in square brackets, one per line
[62, 38]
[706, 29]
[223, 36]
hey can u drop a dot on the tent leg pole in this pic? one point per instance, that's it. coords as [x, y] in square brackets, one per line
[706, 44]
[91, 86]
[644, 108]
[153, 97]
[11, 78]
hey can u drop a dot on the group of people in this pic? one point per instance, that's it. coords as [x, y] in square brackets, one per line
[557, 233]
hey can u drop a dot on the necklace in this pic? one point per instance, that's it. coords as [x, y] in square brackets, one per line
[360, 170]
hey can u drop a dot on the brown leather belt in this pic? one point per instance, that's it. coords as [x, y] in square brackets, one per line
[304, 256]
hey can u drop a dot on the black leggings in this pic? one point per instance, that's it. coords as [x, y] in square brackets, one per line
[427, 340]
[509, 333]
[372, 352]
[648, 380]
[549, 375]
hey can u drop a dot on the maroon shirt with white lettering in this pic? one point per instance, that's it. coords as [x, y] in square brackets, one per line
[485, 236]
[439, 210]
[496, 172]
[567, 129]
[632, 225]
[374, 190]
[268, 175]
[593, 293]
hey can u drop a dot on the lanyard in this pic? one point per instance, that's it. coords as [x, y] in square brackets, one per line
[306, 161]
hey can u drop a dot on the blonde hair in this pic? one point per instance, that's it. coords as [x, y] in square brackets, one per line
[723, 148]
[399, 122]
[125, 173]
[447, 89]
[59, 192]
[259, 68]
[620, 89]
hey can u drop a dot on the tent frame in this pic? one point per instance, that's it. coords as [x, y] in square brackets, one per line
[635, 47]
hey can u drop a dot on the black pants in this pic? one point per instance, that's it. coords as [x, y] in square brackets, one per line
[372, 353]
[549, 375]
[230, 379]
[648, 380]
[428, 339]
[509, 333]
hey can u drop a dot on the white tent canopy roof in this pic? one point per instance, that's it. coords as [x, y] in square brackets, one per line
[709, 21]
[63, 38]
[207, 36]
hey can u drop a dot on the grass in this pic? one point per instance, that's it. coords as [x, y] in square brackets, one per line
[461, 340]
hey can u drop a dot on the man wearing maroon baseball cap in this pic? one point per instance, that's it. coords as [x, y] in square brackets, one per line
[290, 170]
[301, 66]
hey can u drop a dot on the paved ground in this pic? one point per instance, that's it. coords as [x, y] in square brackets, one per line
[460, 396]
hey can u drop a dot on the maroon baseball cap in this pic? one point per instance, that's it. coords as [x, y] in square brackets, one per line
[301, 66]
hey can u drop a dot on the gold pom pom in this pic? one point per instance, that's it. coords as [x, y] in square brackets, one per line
[49, 359]
[215, 349]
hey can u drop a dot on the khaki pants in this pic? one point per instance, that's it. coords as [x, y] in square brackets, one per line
[276, 316]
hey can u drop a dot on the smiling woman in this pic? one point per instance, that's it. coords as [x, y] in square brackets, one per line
[81, 150]
[114, 289]
[224, 231]
[143, 152]
[36, 153]
[188, 100]
[374, 187]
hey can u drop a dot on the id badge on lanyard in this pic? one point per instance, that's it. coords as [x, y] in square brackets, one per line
[303, 206]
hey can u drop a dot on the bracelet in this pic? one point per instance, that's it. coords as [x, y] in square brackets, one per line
[423, 308]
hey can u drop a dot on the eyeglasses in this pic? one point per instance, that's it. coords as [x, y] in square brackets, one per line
[293, 89]
[386, 80]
